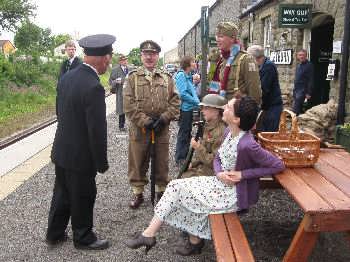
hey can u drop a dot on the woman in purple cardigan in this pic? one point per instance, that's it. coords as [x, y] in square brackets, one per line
[239, 163]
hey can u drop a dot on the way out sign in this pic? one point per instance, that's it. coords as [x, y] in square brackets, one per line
[281, 57]
[297, 16]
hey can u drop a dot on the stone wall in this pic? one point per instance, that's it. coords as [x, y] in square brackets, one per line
[171, 56]
[221, 10]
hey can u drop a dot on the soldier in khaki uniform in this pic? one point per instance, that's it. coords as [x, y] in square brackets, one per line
[237, 72]
[150, 102]
[206, 149]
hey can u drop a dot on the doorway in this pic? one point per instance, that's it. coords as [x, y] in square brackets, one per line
[321, 49]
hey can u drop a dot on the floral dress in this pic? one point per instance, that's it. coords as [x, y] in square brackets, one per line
[186, 203]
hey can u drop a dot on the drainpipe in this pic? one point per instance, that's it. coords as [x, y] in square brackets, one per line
[344, 66]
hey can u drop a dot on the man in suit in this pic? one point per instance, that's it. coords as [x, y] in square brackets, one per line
[116, 80]
[80, 147]
[72, 61]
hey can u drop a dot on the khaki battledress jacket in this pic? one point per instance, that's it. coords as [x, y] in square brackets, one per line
[147, 95]
[243, 78]
[202, 162]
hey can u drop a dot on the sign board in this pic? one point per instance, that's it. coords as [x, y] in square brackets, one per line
[337, 47]
[212, 41]
[297, 16]
[281, 57]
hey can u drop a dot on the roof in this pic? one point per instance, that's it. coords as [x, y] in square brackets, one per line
[253, 7]
[2, 42]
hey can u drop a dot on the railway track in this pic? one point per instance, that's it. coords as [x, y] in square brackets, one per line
[29, 131]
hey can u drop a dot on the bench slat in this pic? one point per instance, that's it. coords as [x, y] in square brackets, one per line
[239, 242]
[221, 239]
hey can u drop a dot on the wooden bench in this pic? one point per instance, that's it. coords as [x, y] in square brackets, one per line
[229, 239]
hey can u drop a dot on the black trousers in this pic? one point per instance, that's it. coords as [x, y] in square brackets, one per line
[121, 120]
[184, 135]
[73, 197]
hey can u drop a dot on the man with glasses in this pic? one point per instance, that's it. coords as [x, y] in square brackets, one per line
[150, 103]
[72, 61]
[79, 149]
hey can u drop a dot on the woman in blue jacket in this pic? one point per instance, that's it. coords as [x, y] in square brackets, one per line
[189, 101]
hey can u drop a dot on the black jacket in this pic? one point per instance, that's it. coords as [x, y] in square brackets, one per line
[64, 66]
[303, 82]
[271, 91]
[81, 136]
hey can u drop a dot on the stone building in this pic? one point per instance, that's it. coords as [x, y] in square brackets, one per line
[6, 47]
[172, 56]
[322, 38]
[221, 10]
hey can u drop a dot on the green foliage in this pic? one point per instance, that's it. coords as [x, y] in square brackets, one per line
[26, 85]
[134, 57]
[31, 38]
[14, 11]
[346, 127]
[61, 39]
[160, 62]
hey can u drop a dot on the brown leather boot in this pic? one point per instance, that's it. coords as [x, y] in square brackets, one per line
[190, 249]
[136, 201]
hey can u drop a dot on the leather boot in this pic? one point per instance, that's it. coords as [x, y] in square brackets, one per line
[136, 201]
[60, 240]
[99, 244]
[190, 249]
[139, 241]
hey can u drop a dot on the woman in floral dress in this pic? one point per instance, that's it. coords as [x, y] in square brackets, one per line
[239, 163]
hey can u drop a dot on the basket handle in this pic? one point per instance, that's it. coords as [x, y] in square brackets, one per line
[282, 129]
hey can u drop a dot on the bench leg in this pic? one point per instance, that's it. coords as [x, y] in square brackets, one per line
[302, 244]
[347, 236]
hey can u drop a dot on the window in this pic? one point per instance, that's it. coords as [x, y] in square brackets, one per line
[267, 35]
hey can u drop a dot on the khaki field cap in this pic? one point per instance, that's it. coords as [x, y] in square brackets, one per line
[227, 28]
[213, 100]
[150, 45]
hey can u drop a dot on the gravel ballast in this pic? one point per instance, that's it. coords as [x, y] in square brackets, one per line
[269, 226]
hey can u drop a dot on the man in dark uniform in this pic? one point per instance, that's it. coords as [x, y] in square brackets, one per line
[72, 61]
[303, 81]
[80, 147]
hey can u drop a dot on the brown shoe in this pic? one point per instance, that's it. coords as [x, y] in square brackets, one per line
[190, 249]
[140, 241]
[136, 201]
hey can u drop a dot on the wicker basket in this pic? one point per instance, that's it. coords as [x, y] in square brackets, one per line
[296, 149]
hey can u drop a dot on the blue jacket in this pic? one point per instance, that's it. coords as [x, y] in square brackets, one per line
[303, 81]
[187, 91]
[271, 91]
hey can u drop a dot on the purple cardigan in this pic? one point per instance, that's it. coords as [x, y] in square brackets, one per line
[254, 162]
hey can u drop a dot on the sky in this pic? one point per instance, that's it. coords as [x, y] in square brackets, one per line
[131, 21]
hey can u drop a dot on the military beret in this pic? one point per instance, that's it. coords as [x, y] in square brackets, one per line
[227, 28]
[97, 45]
[150, 45]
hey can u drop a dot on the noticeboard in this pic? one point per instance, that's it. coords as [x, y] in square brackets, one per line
[294, 15]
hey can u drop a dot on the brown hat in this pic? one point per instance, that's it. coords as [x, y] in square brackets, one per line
[227, 28]
[123, 57]
[150, 45]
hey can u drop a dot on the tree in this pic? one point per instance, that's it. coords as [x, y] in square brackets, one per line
[134, 57]
[31, 38]
[61, 39]
[14, 11]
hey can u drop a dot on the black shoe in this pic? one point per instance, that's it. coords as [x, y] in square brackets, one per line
[99, 244]
[159, 195]
[139, 241]
[190, 249]
[136, 201]
[54, 242]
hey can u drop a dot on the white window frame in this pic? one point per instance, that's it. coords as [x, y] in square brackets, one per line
[267, 30]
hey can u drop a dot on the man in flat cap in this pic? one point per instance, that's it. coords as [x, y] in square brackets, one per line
[116, 80]
[80, 147]
[150, 103]
[236, 72]
[72, 61]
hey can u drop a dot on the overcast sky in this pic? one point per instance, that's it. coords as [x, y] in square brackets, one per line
[131, 21]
